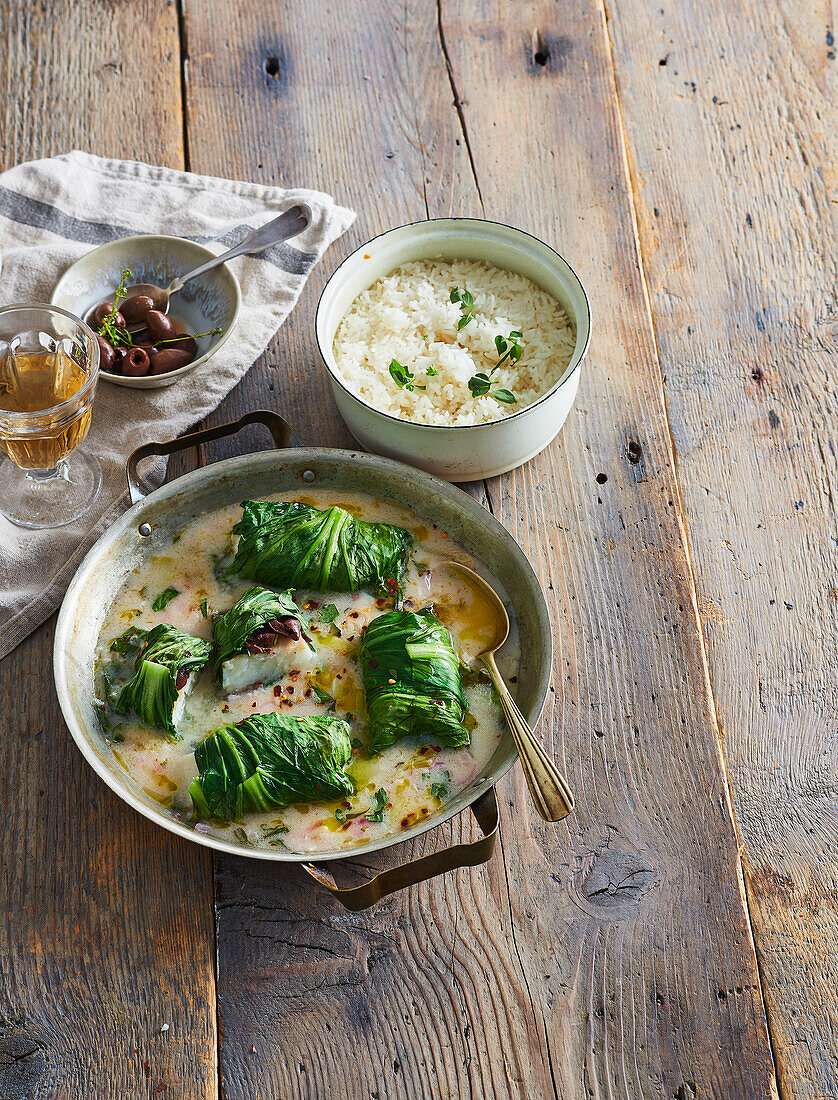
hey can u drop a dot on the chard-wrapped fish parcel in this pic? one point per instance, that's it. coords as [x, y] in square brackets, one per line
[292, 545]
[164, 674]
[412, 680]
[271, 760]
[260, 639]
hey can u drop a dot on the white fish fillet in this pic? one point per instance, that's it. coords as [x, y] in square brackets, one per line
[246, 669]
[186, 690]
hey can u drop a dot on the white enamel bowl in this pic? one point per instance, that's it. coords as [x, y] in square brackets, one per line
[462, 452]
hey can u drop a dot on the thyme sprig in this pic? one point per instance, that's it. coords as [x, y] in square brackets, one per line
[481, 384]
[108, 327]
[189, 336]
[403, 377]
[466, 303]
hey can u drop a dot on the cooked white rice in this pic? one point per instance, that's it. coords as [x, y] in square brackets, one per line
[408, 316]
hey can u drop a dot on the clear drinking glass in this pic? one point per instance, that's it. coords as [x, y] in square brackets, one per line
[49, 366]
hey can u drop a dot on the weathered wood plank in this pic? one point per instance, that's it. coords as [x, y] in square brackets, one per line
[663, 951]
[610, 956]
[741, 264]
[107, 929]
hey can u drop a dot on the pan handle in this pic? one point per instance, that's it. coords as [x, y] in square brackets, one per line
[485, 810]
[278, 428]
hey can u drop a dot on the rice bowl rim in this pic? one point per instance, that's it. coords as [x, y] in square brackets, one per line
[578, 353]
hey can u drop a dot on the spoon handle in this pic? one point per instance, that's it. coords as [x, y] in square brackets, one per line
[550, 793]
[287, 225]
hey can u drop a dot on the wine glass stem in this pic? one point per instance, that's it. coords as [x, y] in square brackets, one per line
[46, 475]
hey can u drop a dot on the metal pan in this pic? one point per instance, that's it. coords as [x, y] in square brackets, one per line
[145, 527]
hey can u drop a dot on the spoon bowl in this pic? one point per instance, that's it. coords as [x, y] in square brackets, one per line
[548, 787]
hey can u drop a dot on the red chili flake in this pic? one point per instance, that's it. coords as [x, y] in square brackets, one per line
[380, 602]
[294, 674]
[225, 708]
[513, 679]
[307, 693]
[424, 810]
[444, 534]
[278, 690]
[356, 752]
[391, 585]
[290, 689]
[354, 614]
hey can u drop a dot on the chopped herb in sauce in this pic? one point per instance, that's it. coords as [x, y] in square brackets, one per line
[376, 810]
[438, 783]
[164, 598]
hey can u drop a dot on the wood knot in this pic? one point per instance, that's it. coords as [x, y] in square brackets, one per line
[23, 1064]
[634, 452]
[548, 52]
[635, 456]
[614, 878]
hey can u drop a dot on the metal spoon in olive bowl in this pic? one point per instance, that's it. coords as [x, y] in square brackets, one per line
[281, 228]
[551, 794]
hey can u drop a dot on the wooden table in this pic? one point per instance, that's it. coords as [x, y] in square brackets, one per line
[676, 937]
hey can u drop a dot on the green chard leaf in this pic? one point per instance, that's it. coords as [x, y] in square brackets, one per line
[292, 545]
[131, 642]
[256, 608]
[164, 598]
[204, 608]
[153, 692]
[327, 613]
[412, 680]
[268, 761]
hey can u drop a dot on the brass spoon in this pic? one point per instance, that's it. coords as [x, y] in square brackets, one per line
[550, 792]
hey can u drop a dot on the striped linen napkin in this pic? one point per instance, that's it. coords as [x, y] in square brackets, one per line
[52, 212]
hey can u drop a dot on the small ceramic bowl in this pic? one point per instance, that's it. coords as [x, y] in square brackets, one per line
[470, 451]
[210, 301]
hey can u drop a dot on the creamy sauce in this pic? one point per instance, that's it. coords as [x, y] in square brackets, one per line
[419, 775]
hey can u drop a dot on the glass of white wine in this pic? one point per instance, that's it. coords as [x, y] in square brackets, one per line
[49, 366]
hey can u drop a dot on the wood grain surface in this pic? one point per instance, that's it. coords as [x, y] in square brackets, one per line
[106, 942]
[610, 956]
[683, 524]
[733, 150]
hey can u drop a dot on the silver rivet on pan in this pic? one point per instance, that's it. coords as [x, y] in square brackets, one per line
[144, 529]
[309, 475]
